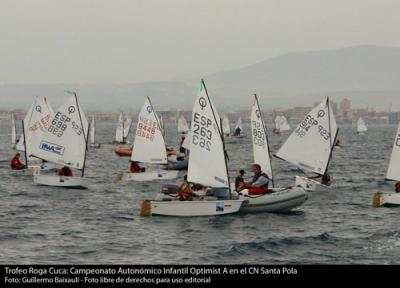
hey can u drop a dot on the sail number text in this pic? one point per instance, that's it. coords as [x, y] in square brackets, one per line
[146, 128]
[60, 123]
[258, 134]
[309, 122]
[202, 133]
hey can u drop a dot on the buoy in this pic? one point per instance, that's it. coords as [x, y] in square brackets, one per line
[146, 208]
[377, 200]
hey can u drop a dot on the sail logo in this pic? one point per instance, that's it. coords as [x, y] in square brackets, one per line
[202, 102]
[52, 148]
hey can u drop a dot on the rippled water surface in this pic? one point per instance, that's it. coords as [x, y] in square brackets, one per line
[101, 225]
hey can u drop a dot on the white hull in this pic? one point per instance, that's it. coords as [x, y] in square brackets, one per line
[150, 175]
[194, 208]
[311, 185]
[60, 181]
[281, 200]
[95, 145]
[387, 199]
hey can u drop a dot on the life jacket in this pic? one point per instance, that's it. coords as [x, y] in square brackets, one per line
[255, 178]
[65, 171]
[184, 191]
[16, 163]
[135, 168]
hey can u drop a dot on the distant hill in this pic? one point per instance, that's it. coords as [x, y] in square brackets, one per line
[367, 74]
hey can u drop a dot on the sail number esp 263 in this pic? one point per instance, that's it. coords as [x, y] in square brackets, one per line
[202, 131]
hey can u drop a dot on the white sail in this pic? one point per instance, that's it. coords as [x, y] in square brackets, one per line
[186, 142]
[149, 145]
[281, 123]
[260, 140]
[226, 127]
[361, 127]
[239, 124]
[119, 133]
[393, 172]
[92, 133]
[36, 123]
[310, 144]
[183, 126]
[207, 164]
[64, 141]
[13, 130]
[127, 127]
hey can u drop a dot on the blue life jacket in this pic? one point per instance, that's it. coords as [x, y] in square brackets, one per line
[255, 178]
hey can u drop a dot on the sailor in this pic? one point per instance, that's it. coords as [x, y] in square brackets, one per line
[184, 192]
[65, 171]
[237, 131]
[16, 163]
[325, 179]
[258, 184]
[337, 144]
[397, 187]
[239, 179]
[135, 168]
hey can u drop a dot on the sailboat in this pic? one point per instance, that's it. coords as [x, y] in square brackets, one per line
[92, 134]
[64, 143]
[206, 146]
[226, 127]
[183, 126]
[13, 131]
[281, 124]
[361, 127]
[237, 132]
[35, 123]
[391, 199]
[277, 199]
[123, 127]
[310, 145]
[149, 147]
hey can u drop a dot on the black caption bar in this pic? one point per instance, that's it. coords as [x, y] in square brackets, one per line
[176, 274]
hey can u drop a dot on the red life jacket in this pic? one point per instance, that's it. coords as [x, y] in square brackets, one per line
[16, 163]
[135, 168]
[65, 171]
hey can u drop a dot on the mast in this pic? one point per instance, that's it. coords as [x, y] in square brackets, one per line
[266, 137]
[83, 130]
[330, 134]
[156, 116]
[222, 138]
[25, 153]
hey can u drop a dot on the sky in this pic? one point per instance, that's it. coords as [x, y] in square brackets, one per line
[129, 41]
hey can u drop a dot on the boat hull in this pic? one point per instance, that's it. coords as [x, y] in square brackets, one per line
[127, 152]
[386, 199]
[60, 181]
[311, 185]
[194, 208]
[280, 201]
[150, 175]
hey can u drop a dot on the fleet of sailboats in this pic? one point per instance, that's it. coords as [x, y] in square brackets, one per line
[206, 144]
[61, 139]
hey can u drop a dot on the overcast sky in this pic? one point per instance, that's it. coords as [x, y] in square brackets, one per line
[92, 41]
